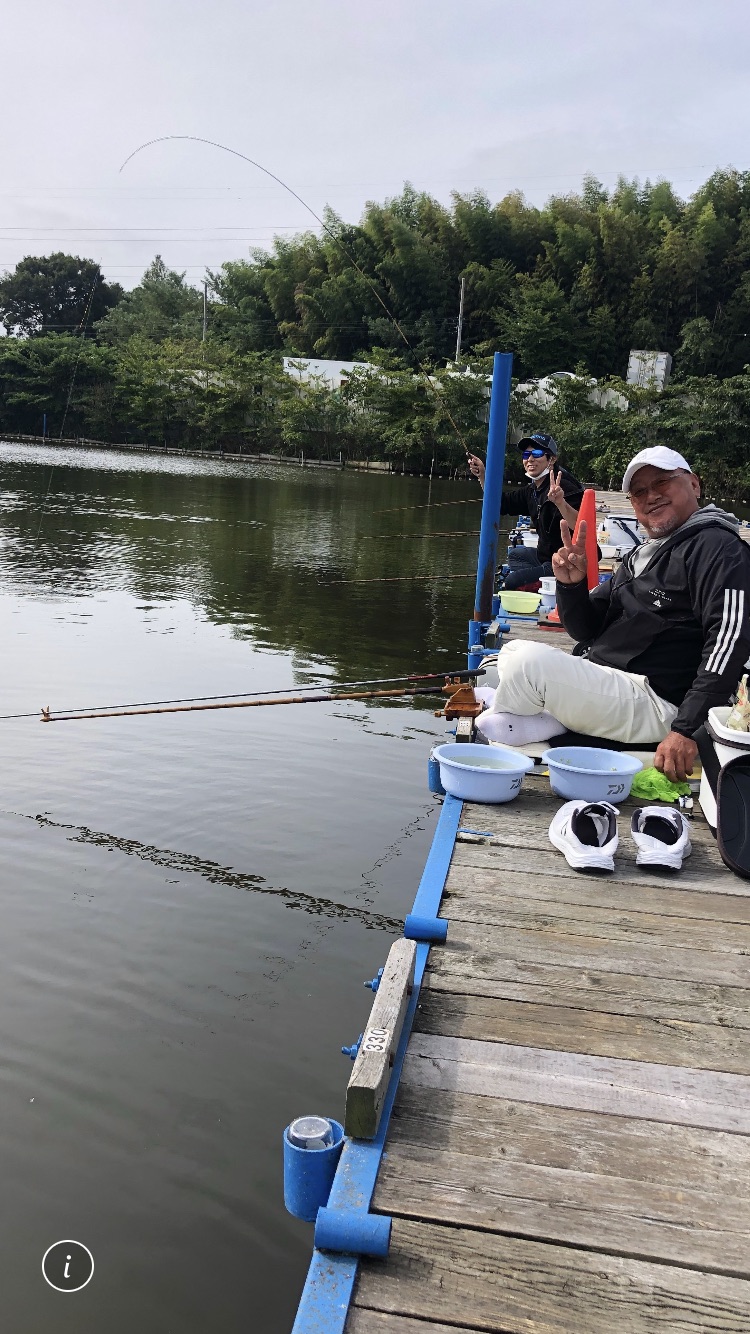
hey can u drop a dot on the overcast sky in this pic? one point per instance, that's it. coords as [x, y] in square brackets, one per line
[344, 101]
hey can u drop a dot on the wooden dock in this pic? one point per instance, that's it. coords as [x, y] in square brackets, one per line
[566, 1137]
[569, 1148]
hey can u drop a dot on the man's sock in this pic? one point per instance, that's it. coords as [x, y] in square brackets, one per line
[485, 695]
[516, 729]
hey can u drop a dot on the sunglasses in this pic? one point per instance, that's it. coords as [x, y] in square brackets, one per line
[534, 454]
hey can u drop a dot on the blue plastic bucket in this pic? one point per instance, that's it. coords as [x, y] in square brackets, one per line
[590, 773]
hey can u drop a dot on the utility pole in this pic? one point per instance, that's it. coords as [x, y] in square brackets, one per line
[205, 310]
[460, 322]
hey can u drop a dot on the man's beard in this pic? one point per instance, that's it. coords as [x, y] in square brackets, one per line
[662, 529]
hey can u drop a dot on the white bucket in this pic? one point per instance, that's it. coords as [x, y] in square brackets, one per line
[737, 742]
[548, 590]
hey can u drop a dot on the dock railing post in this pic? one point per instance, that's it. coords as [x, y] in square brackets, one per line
[491, 501]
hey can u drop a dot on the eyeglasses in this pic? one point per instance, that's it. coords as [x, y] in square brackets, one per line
[639, 493]
[534, 454]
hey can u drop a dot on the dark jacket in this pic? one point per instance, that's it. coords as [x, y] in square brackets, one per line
[682, 622]
[533, 500]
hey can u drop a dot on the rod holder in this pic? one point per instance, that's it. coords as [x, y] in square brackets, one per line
[433, 776]
[353, 1231]
[309, 1173]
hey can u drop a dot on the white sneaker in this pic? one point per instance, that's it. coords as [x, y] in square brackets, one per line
[586, 834]
[661, 835]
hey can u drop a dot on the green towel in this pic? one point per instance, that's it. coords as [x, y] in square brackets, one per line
[651, 785]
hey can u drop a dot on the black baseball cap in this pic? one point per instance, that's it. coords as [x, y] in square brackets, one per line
[539, 440]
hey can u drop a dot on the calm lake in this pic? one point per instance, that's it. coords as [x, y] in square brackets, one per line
[191, 902]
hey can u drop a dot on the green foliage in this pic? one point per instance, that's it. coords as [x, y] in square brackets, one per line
[584, 279]
[198, 395]
[573, 285]
[704, 418]
[162, 306]
[55, 294]
[36, 375]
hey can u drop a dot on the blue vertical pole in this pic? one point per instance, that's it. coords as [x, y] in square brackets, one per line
[493, 490]
[44, 424]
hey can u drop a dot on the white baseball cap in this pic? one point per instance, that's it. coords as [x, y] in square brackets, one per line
[659, 457]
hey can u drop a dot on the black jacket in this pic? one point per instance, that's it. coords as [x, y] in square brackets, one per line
[682, 622]
[533, 500]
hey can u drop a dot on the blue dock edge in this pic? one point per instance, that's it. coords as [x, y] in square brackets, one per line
[326, 1297]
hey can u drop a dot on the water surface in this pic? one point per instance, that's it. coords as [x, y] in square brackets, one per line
[191, 902]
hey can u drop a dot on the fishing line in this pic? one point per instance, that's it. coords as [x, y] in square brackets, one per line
[82, 329]
[197, 139]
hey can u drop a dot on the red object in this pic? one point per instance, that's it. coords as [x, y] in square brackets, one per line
[587, 513]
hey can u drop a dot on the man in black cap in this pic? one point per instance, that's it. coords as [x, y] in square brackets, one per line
[551, 495]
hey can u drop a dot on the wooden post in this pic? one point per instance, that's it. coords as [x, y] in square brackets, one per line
[372, 1068]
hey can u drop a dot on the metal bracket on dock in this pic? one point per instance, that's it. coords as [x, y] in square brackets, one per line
[353, 1051]
[353, 1231]
[431, 930]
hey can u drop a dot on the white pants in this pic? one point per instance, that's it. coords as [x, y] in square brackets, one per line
[599, 701]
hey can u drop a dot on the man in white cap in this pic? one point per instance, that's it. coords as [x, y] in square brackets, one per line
[659, 644]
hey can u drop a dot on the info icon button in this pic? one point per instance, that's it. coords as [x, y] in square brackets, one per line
[68, 1266]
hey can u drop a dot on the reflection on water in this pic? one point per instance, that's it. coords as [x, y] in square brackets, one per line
[158, 1028]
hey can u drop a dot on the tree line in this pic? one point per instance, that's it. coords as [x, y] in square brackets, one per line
[570, 286]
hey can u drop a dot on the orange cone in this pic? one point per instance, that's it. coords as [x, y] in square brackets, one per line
[587, 514]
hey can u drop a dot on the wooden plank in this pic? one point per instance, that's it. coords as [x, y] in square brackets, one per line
[372, 1068]
[678, 1095]
[584, 951]
[593, 1033]
[491, 905]
[618, 1215]
[493, 973]
[700, 873]
[507, 1285]
[533, 632]
[502, 1130]
[479, 884]
[363, 1321]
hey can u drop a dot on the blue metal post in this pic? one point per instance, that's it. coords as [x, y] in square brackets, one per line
[44, 424]
[493, 491]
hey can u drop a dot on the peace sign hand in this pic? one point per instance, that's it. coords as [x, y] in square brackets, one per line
[569, 563]
[556, 493]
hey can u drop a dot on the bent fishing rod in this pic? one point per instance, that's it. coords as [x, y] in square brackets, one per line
[333, 236]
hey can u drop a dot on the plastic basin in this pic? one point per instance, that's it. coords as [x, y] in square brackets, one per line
[520, 602]
[475, 772]
[590, 773]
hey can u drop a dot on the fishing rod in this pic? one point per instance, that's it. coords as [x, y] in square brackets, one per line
[461, 674]
[390, 537]
[49, 717]
[400, 579]
[440, 504]
[212, 143]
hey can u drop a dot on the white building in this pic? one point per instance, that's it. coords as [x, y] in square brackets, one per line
[313, 370]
